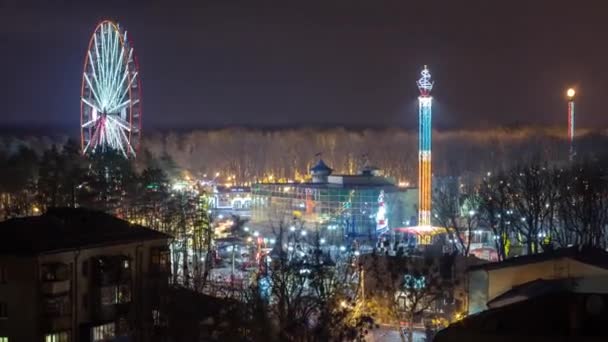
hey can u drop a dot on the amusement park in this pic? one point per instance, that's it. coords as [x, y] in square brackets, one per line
[323, 183]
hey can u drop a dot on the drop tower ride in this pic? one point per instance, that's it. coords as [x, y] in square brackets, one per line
[425, 85]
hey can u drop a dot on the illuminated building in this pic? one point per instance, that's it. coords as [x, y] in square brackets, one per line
[362, 205]
[570, 93]
[425, 85]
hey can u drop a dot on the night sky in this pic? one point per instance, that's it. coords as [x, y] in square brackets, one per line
[316, 62]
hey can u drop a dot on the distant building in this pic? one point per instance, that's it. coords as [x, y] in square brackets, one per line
[361, 205]
[232, 200]
[80, 275]
[493, 283]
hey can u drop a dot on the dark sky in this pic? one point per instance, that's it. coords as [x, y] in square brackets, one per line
[319, 62]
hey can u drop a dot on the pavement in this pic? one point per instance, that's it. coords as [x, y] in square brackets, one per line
[389, 334]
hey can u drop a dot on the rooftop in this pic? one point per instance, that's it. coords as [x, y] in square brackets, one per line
[67, 229]
[321, 167]
[588, 255]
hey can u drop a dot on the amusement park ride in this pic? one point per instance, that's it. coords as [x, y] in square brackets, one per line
[424, 230]
[110, 101]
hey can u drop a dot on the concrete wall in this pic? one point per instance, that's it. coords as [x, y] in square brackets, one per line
[20, 293]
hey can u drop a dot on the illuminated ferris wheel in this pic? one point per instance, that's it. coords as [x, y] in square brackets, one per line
[110, 107]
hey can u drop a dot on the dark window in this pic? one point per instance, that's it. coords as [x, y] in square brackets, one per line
[3, 310]
[85, 268]
[108, 295]
[160, 259]
[2, 275]
[57, 306]
[85, 300]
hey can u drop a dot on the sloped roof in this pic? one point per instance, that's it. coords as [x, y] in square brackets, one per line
[69, 228]
[321, 167]
[588, 255]
[532, 289]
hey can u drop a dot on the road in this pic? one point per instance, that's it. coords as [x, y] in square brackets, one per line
[388, 334]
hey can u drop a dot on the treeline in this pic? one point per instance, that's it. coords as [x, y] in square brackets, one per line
[530, 208]
[253, 154]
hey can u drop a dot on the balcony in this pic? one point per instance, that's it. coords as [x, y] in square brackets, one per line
[56, 287]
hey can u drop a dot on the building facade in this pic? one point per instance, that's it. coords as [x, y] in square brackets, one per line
[361, 205]
[80, 275]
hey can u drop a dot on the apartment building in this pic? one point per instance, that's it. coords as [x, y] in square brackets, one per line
[81, 275]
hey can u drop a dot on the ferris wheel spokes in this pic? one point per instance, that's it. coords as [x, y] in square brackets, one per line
[111, 93]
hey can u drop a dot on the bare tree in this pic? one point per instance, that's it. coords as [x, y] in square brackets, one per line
[583, 206]
[533, 195]
[495, 211]
[457, 210]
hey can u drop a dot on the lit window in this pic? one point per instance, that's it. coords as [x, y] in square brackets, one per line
[103, 332]
[3, 339]
[125, 263]
[57, 337]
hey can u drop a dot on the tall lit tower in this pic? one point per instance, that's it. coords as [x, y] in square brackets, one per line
[570, 93]
[425, 85]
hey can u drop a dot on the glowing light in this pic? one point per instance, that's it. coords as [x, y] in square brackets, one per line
[246, 229]
[322, 241]
[381, 220]
[571, 92]
[342, 248]
[256, 234]
[425, 85]
[292, 228]
[303, 233]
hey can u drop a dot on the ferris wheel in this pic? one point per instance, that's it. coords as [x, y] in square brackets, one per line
[110, 107]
